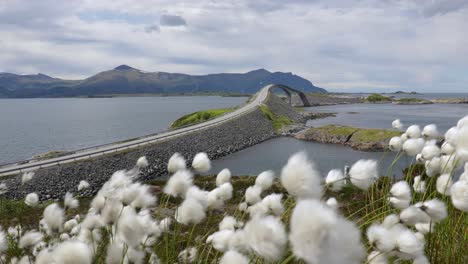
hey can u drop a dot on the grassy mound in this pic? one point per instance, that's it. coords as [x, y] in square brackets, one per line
[376, 98]
[277, 121]
[413, 101]
[200, 116]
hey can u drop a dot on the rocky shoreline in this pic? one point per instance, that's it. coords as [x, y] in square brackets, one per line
[373, 140]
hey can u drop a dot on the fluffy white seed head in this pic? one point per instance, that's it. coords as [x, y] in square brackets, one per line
[430, 151]
[142, 162]
[233, 257]
[413, 131]
[223, 177]
[399, 203]
[165, 224]
[433, 166]
[319, 235]
[228, 223]
[335, 180]
[266, 236]
[273, 204]
[397, 124]
[131, 228]
[413, 215]
[200, 195]
[3, 188]
[54, 217]
[30, 239]
[300, 177]
[436, 209]
[430, 132]
[377, 257]
[72, 252]
[363, 173]
[201, 162]
[451, 134]
[176, 162]
[424, 228]
[83, 185]
[27, 176]
[31, 199]
[70, 201]
[332, 203]
[179, 183]
[447, 149]
[408, 244]
[419, 185]
[403, 138]
[252, 194]
[444, 183]
[221, 239]
[225, 191]
[459, 195]
[395, 144]
[190, 212]
[188, 255]
[265, 180]
[463, 122]
[401, 190]
[413, 146]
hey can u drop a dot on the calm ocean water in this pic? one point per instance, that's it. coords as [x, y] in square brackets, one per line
[33, 126]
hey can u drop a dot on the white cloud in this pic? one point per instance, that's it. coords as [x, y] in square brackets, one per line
[413, 45]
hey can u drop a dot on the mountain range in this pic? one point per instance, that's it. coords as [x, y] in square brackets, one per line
[127, 80]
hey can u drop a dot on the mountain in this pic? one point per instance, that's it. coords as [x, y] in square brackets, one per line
[127, 80]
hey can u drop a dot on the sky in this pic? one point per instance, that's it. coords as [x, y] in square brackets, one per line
[340, 45]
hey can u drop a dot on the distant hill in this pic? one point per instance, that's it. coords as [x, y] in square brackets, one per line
[127, 80]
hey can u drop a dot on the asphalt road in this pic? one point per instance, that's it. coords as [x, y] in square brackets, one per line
[21, 167]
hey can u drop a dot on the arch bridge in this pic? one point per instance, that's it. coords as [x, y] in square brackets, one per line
[289, 93]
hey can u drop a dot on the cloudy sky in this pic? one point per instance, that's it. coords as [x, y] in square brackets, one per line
[341, 45]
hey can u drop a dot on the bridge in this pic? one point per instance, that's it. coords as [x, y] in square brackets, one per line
[97, 151]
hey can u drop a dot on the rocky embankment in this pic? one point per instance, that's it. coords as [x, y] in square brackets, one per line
[217, 141]
[356, 138]
[319, 99]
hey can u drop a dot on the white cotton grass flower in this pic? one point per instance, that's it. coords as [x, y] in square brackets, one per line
[69, 225]
[144, 199]
[243, 206]
[273, 204]
[201, 162]
[31, 199]
[30, 239]
[223, 176]
[447, 149]
[444, 183]
[300, 177]
[413, 131]
[83, 185]
[225, 191]
[142, 162]
[131, 228]
[424, 228]
[72, 251]
[397, 124]
[266, 236]
[421, 259]
[381, 237]
[190, 212]
[408, 244]
[252, 194]
[27, 176]
[115, 252]
[111, 212]
[419, 185]
[433, 166]
[70, 201]
[233, 257]
[3, 241]
[435, 209]
[188, 255]
[200, 195]
[459, 195]
[265, 180]
[451, 135]
[335, 180]
[430, 151]
[413, 215]
[165, 224]
[3, 188]
[332, 203]
[462, 122]
[390, 221]
[448, 163]
[54, 217]
[228, 223]
[413, 146]
[221, 239]
[319, 235]
[430, 132]
[363, 173]
[395, 144]
[176, 162]
[134, 255]
[179, 183]
[214, 199]
[401, 190]
[403, 138]
[377, 257]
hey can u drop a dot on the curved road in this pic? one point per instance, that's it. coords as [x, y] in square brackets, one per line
[111, 148]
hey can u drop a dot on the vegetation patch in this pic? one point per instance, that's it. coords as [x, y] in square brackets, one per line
[50, 155]
[373, 135]
[376, 98]
[277, 121]
[412, 101]
[333, 130]
[200, 116]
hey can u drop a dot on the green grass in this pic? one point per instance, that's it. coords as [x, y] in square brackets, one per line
[277, 121]
[198, 117]
[361, 135]
[333, 130]
[374, 98]
[412, 100]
